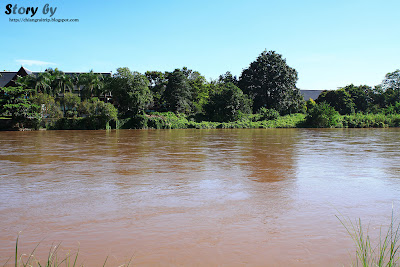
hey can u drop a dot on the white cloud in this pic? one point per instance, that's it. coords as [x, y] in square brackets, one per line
[28, 62]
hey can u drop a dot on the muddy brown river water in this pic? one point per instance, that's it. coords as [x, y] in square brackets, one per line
[247, 197]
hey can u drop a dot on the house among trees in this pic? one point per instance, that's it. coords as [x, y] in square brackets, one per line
[9, 78]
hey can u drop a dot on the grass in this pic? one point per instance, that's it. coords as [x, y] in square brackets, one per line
[53, 259]
[383, 252]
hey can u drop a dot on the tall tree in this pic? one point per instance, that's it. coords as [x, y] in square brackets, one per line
[92, 84]
[130, 91]
[228, 78]
[270, 82]
[60, 82]
[178, 92]
[42, 82]
[158, 83]
[391, 87]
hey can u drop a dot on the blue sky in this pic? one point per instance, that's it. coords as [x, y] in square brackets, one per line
[330, 43]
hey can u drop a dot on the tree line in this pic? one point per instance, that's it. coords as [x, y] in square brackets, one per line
[267, 86]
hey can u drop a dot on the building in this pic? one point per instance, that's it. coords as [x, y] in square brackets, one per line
[9, 78]
[313, 94]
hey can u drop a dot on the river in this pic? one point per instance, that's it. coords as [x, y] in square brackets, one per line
[245, 197]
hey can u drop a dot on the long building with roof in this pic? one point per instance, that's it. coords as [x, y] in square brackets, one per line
[9, 78]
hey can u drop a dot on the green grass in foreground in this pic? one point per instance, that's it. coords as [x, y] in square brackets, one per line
[384, 252]
[53, 259]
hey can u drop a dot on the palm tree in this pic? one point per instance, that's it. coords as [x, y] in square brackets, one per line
[42, 83]
[92, 84]
[28, 82]
[61, 83]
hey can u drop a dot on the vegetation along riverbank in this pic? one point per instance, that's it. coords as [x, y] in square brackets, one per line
[264, 96]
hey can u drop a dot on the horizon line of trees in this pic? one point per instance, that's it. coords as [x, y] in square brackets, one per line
[267, 84]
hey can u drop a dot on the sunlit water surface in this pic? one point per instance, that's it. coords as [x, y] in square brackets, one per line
[263, 197]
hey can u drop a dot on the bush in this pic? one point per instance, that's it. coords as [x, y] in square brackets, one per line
[268, 114]
[322, 116]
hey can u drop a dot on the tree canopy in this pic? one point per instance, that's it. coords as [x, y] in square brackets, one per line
[130, 91]
[178, 92]
[271, 83]
[227, 104]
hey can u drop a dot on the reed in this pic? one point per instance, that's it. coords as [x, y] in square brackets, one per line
[53, 258]
[383, 252]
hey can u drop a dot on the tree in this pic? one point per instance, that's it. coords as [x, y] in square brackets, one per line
[228, 104]
[49, 108]
[200, 91]
[228, 78]
[42, 82]
[361, 96]
[15, 102]
[92, 84]
[178, 92]
[27, 82]
[392, 81]
[339, 99]
[95, 108]
[271, 83]
[158, 82]
[59, 82]
[71, 102]
[130, 91]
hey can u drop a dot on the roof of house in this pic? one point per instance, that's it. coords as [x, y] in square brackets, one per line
[8, 78]
[313, 94]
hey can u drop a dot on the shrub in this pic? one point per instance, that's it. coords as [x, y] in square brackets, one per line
[268, 114]
[322, 116]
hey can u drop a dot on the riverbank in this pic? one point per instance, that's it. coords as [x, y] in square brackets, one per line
[170, 120]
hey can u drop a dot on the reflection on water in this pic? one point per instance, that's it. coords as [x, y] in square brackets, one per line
[196, 197]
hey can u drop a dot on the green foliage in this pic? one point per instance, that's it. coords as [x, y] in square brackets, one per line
[94, 107]
[200, 91]
[15, 102]
[228, 104]
[53, 258]
[361, 96]
[322, 116]
[379, 120]
[60, 82]
[228, 78]
[27, 82]
[385, 252]
[130, 91]
[158, 82]
[49, 108]
[170, 120]
[178, 93]
[392, 83]
[71, 103]
[268, 114]
[91, 84]
[310, 104]
[271, 83]
[94, 114]
[339, 99]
